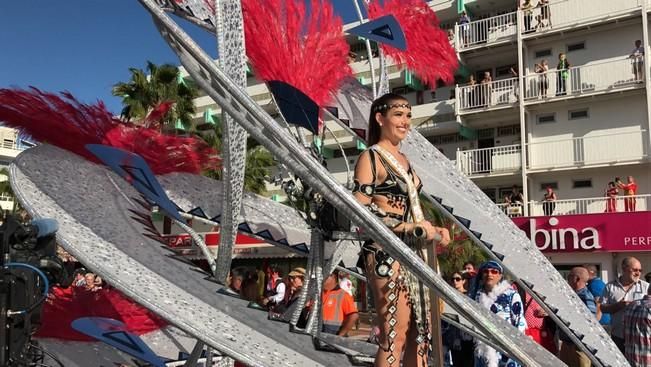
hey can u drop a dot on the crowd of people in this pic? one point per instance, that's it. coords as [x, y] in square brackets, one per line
[628, 190]
[621, 307]
[277, 294]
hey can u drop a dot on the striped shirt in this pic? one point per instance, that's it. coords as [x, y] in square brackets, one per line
[637, 332]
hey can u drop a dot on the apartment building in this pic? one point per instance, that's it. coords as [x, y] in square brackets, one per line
[10, 146]
[573, 129]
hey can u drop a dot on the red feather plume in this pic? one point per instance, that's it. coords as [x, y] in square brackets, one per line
[70, 125]
[308, 52]
[429, 53]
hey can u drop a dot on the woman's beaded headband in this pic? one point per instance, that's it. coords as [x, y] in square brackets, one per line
[386, 107]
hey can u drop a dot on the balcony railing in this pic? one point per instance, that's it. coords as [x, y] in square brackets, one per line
[490, 160]
[591, 205]
[487, 95]
[483, 31]
[557, 15]
[570, 13]
[588, 150]
[586, 79]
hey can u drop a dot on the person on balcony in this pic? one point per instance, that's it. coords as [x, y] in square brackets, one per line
[630, 190]
[611, 194]
[543, 79]
[471, 92]
[562, 74]
[545, 14]
[515, 201]
[549, 201]
[637, 61]
[527, 11]
[464, 28]
[486, 89]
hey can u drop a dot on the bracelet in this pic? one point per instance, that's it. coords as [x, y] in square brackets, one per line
[419, 232]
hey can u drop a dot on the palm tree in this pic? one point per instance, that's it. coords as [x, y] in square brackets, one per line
[147, 89]
[258, 161]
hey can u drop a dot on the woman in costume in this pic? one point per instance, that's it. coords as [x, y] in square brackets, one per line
[496, 294]
[386, 183]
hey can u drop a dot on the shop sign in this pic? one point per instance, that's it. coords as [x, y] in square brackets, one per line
[607, 232]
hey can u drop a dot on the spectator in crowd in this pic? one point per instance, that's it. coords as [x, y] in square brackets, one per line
[352, 57]
[296, 278]
[486, 89]
[89, 283]
[460, 344]
[562, 74]
[469, 267]
[596, 286]
[497, 295]
[527, 10]
[345, 283]
[620, 293]
[543, 78]
[540, 327]
[249, 289]
[79, 278]
[339, 309]
[515, 200]
[262, 281]
[545, 14]
[569, 353]
[637, 332]
[275, 289]
[464, 27]
[611, 194]
[549, 201]
[630, 190]
[637, 61]
[236, 280]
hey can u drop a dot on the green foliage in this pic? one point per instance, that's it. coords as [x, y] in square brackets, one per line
[258, 162]
[147, 89]
[5, 189]
[461, 249]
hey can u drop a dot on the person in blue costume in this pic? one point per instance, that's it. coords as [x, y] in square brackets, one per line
[496, 294]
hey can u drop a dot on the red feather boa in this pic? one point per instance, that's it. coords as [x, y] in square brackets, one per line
[70, 125]
[429, 53]
[307, 52]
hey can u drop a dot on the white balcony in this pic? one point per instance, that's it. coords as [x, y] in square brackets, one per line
[589, 205]
[557, 16]
[601, 149]
[488, 161]
[572, 13]
[496, 94]
[486, 31]
[593, 78]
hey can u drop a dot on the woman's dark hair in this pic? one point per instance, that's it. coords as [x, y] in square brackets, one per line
[381, 105]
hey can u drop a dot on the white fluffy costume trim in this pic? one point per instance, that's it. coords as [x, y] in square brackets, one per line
[487, 354]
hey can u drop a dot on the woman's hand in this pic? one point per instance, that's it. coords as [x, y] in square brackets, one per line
[435, 234]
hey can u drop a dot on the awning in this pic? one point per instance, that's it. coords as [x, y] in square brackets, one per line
[245, 247]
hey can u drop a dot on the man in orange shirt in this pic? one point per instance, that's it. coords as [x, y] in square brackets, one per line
[339, 309]
[630, 189]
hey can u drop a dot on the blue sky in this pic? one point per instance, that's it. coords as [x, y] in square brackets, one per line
[86, 46]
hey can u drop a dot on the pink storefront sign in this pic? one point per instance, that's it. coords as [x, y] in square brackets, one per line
[605, 232]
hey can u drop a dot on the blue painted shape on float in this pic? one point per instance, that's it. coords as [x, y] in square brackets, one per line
[295, 106]
[135, 170]
[115, 334]
[385, 30]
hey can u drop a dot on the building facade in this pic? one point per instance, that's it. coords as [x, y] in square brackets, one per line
[530, 120]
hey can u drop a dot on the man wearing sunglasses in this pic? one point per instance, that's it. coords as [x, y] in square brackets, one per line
[620, 293]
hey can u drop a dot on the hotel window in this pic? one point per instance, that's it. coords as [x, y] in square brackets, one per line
[545, 118]
[576, 46]
[543, 53]
[580, 184]
[578, 114]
